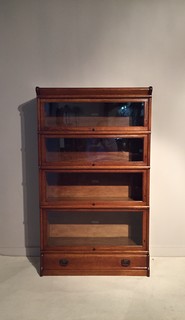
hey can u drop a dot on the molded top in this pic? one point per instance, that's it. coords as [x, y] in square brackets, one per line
[94, 93]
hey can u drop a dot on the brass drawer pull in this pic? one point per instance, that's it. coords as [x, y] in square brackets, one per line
[63, 262]
[125, 262]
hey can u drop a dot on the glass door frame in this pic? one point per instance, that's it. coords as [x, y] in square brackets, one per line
[95, 203]
[88, 129]
[94, 164]
[95, 248]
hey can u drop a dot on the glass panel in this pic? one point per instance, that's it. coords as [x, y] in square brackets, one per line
[94, 228]
[91, 151]
[93, 186]
[93, 114]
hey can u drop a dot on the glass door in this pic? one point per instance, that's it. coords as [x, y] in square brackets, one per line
[81, 189]
[95, 229]
[94, 116]
[99, 151]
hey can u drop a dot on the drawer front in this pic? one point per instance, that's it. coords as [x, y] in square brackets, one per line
[94, 262]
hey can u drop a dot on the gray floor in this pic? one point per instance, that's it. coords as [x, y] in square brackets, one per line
[25, 295]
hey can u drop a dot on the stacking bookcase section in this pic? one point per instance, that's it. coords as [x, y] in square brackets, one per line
[117, 151]
[94, 169]
[89, 189]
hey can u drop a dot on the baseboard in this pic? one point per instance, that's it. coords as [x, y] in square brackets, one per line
[155, 251]
[20, 251]
[167, 251]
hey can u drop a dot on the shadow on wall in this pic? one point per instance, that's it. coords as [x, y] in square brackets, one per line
[28, 113]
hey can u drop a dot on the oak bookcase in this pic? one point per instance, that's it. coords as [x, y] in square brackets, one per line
[94, 167]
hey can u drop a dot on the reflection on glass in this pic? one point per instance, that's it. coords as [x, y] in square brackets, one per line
[94, 114]
[94, 228]
[91, 150]
[93, 186]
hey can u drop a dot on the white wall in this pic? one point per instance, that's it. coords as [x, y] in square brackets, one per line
[85, 43]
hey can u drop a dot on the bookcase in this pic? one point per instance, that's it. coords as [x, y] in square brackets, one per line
[94, 169]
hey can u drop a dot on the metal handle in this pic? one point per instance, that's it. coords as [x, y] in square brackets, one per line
[63, 262]
[125, 262]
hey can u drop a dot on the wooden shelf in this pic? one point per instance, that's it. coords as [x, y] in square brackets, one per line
[88, 157]
[90, 199]
[86, 241]
[90, 193]
[86, 121]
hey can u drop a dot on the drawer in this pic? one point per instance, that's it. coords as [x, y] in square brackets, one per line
[93, 263]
